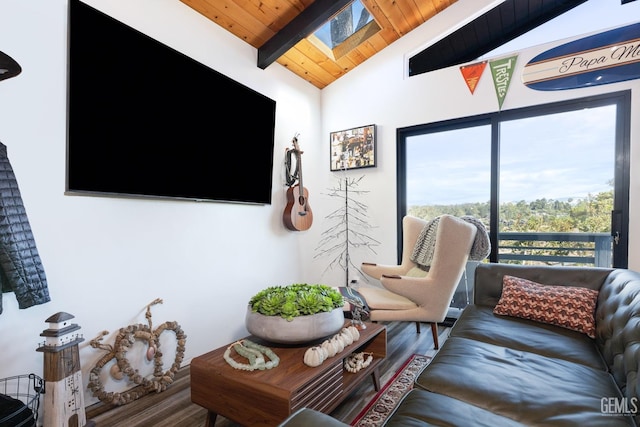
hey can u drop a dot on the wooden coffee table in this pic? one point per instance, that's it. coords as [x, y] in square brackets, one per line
[267, 397]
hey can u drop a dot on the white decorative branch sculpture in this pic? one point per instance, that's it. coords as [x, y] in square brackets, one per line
[348, 229]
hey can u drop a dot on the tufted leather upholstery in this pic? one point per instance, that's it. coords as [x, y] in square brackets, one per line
[618, 329]
[617, 313]
[501, 370]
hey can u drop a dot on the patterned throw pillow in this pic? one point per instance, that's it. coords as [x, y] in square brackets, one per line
[565, 306]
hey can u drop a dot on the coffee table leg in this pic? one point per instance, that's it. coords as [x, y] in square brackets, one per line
[376, 379]
[211, 419]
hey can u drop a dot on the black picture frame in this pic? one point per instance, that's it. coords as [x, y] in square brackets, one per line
[353, 148]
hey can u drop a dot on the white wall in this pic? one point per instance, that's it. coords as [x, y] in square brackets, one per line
[378, 92]
[107, 258]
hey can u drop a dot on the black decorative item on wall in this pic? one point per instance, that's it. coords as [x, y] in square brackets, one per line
[353, 148]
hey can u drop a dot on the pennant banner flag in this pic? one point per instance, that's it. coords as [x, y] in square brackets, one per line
[472, 74]
[502, 72]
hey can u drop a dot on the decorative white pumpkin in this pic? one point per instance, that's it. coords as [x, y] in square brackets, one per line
[338, 342]
[325, 354]
[355, 333]
[314, 356]
[329, 347]
[346, 337]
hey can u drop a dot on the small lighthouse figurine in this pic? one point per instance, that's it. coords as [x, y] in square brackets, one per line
[64, 396]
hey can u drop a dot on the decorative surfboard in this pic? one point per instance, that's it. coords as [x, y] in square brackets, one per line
[609, 57]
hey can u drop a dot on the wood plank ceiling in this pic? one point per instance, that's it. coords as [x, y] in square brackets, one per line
[257, 21]
[279, 29]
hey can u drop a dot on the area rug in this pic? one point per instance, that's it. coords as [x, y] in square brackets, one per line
[386, 400]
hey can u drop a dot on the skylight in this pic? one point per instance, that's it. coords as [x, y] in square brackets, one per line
[346, 30]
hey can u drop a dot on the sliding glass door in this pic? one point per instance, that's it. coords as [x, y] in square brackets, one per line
[551, 183]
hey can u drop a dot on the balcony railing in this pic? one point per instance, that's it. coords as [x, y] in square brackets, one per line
[529, 248]
[560, 248]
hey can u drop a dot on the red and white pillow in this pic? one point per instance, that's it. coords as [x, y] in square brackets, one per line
[569, 307]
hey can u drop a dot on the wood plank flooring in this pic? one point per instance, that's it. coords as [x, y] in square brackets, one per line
[173, 407]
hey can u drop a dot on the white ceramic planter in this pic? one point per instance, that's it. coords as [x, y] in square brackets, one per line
[300, 330]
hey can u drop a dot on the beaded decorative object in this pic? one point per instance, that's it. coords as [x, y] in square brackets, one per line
[255, 353]
[357, 362]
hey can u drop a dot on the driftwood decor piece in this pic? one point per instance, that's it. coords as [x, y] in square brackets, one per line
[122, 368]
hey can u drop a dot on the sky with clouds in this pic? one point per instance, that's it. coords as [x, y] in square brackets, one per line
[574, 150]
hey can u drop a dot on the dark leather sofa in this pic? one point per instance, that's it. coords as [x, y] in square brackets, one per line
[496, 370]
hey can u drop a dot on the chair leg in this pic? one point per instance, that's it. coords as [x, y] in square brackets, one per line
[434, 332]
[418, 327]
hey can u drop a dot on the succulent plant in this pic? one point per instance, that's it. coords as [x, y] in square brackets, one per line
[298, 299]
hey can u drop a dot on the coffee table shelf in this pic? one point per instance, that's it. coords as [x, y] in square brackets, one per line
[266, 398]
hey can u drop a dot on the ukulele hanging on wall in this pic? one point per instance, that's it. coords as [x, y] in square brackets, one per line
[297, 214]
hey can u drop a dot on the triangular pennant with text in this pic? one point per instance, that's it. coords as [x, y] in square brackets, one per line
[472, 74]
[502, 71]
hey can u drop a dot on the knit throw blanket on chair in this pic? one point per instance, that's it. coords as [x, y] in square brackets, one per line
[425, 245]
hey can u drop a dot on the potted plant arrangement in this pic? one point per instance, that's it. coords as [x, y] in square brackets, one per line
[295, 314]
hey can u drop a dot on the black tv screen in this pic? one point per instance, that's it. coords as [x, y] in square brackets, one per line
[146, 120]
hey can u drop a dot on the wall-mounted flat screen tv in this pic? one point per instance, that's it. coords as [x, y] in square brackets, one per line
[145, 120]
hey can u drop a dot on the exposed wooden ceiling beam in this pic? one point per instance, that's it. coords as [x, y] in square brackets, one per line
[300, 27]
[507, 21]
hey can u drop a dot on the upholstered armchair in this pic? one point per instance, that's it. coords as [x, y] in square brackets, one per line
[419, 293]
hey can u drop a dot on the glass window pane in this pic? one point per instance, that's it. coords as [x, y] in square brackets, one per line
[556, 187]
[346, 23]
[450, 173]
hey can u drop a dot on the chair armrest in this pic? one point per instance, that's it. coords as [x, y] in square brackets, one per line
[413, 288]
[429, 294]
[378, 270]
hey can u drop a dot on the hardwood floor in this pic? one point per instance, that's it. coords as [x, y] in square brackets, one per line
[173, 407]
